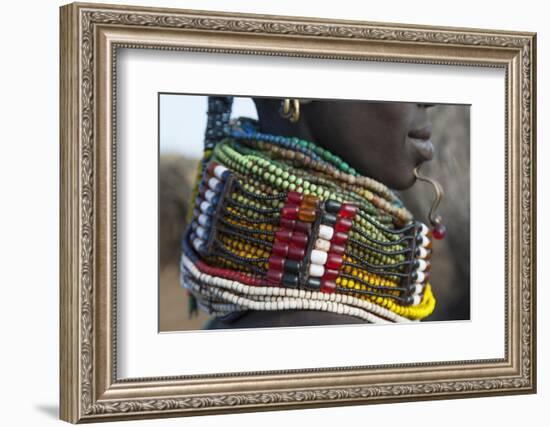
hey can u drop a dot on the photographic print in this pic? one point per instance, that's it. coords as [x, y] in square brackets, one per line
[277, 212]
[343, 210]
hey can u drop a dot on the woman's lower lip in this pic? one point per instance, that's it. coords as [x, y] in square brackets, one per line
[424, 147]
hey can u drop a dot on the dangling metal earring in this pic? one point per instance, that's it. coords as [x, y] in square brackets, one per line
[439, 231]
[290, 109]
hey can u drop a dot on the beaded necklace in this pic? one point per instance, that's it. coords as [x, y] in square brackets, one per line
[280, 223]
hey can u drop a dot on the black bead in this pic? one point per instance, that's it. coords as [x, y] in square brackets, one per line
[313, 283]
[290, 280]
[292, 266]
[328, 219]
[332, 206]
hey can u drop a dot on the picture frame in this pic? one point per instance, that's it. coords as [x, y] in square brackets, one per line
[91, 36]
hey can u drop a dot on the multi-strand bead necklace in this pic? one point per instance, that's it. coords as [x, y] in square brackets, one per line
[281, 224]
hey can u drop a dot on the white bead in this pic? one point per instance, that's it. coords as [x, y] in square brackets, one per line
[322, 245]
[209, 195]
[326, 232]
[324, 306]
[420, 277]
[201, 233]
[422, 265]
[424, 230]
[302, 293]
[197, 243]
[425, 241]
[423, 252]
[219, 170]
[316, 270]
[318, 257]
[418, 289]
[203, 220]
[293, 304]
[204, 206]
[416, 299]
[213, 182]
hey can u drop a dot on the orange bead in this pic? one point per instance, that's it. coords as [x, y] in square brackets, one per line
[306, 214]
[309, 201]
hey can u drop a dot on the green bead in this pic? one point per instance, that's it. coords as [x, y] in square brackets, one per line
[285, 175]
[292, 187]
[285, 185]
[278, 181]
[306, 185]
[292, 178]
[278, 171]
[313, 188]
[271, 168]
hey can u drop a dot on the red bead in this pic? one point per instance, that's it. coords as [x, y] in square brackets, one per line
[330, 274]
[303, 227]
[280, 249]
[348, 210]
[336, 248]
[211, 167]
[295, 198]
[299, 239]
[334, 261]
[283, 235]
[290, 211]
[328, 286]
[289, 224]
[343, 224]
[276, 262]
[274, 276]
[296, 253]
[439, 231]
[339, 238]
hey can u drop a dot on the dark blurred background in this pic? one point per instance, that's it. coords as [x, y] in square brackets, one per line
[451, 260]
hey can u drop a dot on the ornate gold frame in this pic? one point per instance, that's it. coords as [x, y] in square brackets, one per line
[90, 36]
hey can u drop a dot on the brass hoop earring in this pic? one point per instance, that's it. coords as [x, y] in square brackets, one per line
[439, 230]
[290, 109]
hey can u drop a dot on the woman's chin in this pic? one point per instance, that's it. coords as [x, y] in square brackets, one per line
[401, 181]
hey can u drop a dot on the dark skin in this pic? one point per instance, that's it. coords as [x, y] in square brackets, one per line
[383, 140]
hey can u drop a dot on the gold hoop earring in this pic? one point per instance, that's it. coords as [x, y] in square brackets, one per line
[290, 109]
